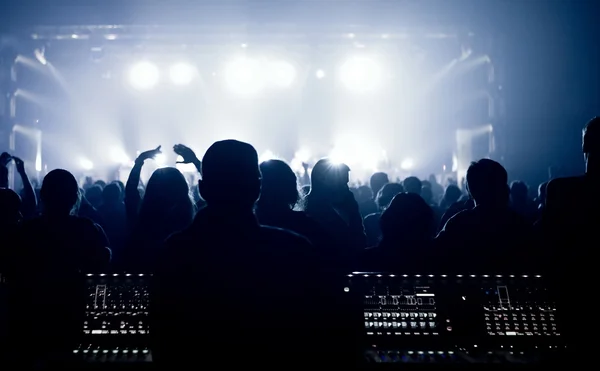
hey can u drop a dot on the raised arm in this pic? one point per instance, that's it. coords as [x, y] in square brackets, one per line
[188, 156]
[132, 195]
[4, 160]
[29, 205]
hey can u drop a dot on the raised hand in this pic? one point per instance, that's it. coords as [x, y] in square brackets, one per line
[5, 159]
[146, 155]
[186, 153]
[19, 164]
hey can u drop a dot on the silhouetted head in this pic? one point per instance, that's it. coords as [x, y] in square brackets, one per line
[94, 195]
[519, 191]
[329, 180]
[387, 194]
[432, 179]
[166, 207]
[121, 187]
[377, 181]
[591, 144]
[10, 204]
[100, 183]
[487, 182]
[451, 194]
[230, 175]
[412, 184]
[59, 192]
[427, 194]
[111, 194]
[408, 218]
[279, 185]
[364, 194]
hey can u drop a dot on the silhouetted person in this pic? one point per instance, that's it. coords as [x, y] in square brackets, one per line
[237, 285]
[570, 225]
[436, 188]
[520, 202]
[491, 235]
[407, 232]
[376, 182]
[278, 196]
[46, 271]
[10, 217]
[412, 184]
[166, 208]
[451, 195]
[28, 196]
[114, 221]
[332, 204]
[427, 196]
[383, 199]
[94, 195]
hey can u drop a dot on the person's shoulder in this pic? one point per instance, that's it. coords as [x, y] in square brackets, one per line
[178, 239]
[461, 216]
[561, 183]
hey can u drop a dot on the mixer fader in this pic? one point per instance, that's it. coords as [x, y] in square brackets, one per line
[520, 311]
[456, 318]
[400, 310]
[116, 325]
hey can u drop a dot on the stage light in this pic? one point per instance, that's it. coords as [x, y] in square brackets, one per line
[361, 74]
[40, 55]
[160, 159]
[144, 75]
[407, 164]
[266, 156]
[119, 156]
[300, 157]
[182, 73]
[86, 164]
[320, 74]
[244, 76]
[361, 155]
[281, 74]
[38, 162]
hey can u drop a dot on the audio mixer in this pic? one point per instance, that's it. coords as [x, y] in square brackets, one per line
[116, 326]
[456, 318]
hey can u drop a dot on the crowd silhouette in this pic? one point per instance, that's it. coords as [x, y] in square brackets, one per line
[262, 249]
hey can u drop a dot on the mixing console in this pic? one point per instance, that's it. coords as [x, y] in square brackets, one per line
[457, 318]
[116, 326]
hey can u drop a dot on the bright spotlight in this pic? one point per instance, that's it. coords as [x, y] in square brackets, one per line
[160, 159]
[266, 156]
[244, 76]
[320, 74]
[182, 73]
[358, 153]
[86, 164]
[407, 164]
[38, 162]
[119, 156]
[361, 74]
[144, 75]
[282, 74]
[300, 157]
